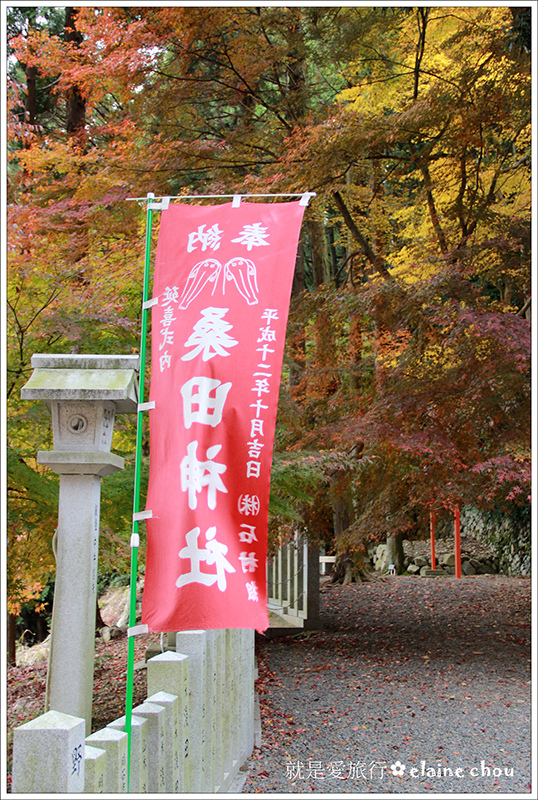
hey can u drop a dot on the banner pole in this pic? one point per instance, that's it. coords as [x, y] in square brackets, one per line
[137, 484]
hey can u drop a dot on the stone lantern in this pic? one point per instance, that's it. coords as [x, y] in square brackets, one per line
[84, 393]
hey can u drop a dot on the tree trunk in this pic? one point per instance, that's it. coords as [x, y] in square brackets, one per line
[12, 640]
[394, 553]
[41, 629]
[332, 253]
[349, 566]
[30, 103]
[321, 265]
[76, 105]
[298, 285]
[343, 568]
[340, 516]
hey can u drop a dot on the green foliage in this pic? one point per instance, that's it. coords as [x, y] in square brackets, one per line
[297, 484]
[34, 616]
[31, 520]
[117, 514]
[110, 579]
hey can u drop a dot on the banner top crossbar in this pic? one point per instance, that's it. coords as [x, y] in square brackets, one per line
[237, 195]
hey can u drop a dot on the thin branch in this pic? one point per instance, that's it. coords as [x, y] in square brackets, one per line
[422, 14]
[432, 207]
[523, 311]
[344, 262]
[377, 261]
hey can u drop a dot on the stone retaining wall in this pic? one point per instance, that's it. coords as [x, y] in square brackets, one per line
[192, 734]
[490, 542]
[507, 535]
[475, 558]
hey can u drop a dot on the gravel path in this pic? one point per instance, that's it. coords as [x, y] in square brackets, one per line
[415, 685]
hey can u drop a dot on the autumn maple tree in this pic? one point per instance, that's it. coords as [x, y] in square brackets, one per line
[426, 160]
[408, 355]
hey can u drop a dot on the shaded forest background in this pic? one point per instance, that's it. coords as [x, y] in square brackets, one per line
[406, 385]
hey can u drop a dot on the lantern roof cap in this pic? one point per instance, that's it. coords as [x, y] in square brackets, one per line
[85, 377]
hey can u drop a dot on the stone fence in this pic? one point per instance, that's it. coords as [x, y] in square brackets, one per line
[293, 583]
[192, 735]
[287, 578]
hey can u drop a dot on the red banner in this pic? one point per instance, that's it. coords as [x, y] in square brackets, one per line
[223, 278]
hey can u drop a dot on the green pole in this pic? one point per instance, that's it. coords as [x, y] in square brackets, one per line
[137, 481]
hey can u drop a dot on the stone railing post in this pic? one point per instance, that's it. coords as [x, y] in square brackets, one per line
[220, 692]
[210, 681]
[247, 694]
[169, 672]
[193, 645]
[114, 743]
[206, 697]
[48, 755]
[312, 621]
[138, 776]
[83, 392]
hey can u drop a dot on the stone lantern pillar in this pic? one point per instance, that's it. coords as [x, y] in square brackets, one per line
[83, 392]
